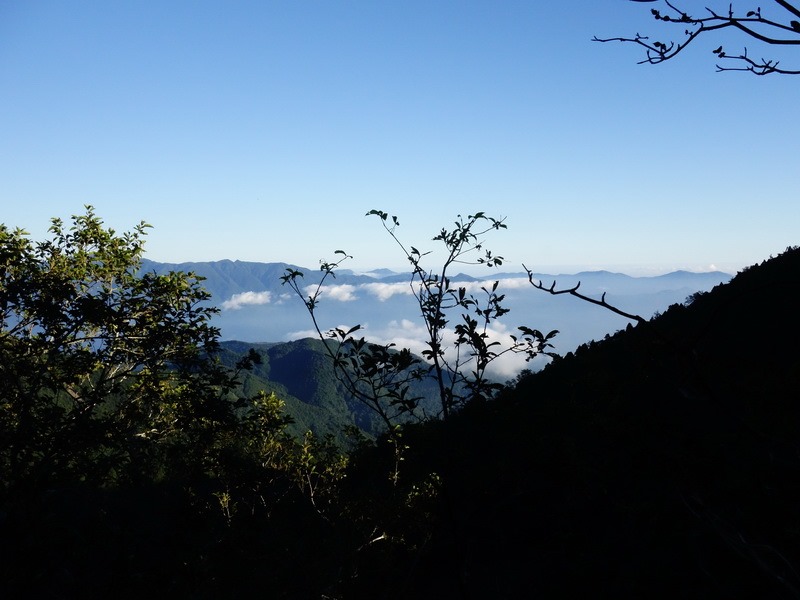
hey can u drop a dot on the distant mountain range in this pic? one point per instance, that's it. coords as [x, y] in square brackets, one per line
[226, 278]
[256, 308]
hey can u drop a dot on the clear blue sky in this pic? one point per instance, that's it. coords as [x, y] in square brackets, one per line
[266, 130]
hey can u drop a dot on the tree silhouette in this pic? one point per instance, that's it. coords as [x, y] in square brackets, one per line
[456, 355]
[102, 368]
[780, 27]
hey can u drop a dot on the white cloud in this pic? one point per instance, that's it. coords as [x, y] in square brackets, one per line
[384, 291]
[410, 334]
[342, 293]
[514, 283]
[300, 335]
[237, 301]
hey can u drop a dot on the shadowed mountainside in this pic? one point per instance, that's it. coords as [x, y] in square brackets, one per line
[663, 461]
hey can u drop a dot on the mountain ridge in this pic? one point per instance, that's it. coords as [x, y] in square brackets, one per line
[224, 278]
[256, 308]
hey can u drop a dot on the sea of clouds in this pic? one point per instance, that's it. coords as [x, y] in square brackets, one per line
[387, 312]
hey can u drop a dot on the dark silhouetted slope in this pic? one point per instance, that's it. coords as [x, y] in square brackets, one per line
[661, 462]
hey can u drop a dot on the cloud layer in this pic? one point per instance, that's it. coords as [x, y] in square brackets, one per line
[405, 333]
[385, 291]
[238, 301]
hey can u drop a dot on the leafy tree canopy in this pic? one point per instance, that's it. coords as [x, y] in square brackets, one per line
[101, 366]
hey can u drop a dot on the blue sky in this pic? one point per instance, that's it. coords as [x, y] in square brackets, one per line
[266, 130]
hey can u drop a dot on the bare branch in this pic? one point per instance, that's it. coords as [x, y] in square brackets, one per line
[795, 11]
[753, 23]
[573, 291]
[762, 67]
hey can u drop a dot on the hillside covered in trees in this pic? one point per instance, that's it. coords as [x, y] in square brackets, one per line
[661, 461]
[301, 374]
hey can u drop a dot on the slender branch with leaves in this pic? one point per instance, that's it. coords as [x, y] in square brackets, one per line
[379, 376]
[456, 356]
[779, 29]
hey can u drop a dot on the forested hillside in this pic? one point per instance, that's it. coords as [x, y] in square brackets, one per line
[662, 461]
[301, 374]
[523, 337]
[141, 458]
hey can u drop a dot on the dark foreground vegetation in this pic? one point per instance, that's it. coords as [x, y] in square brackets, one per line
[663, 461]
